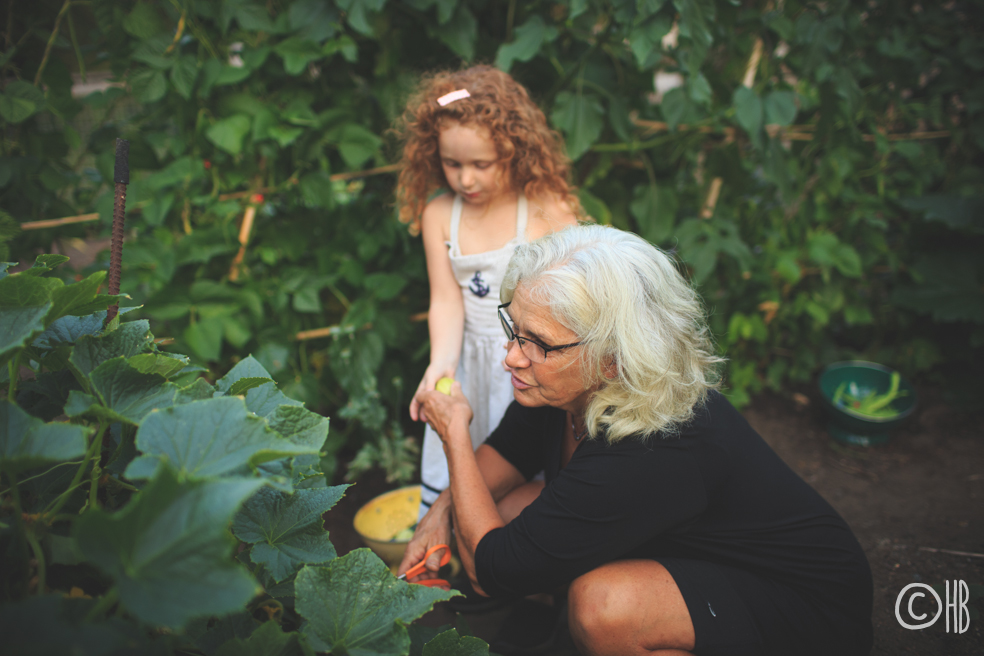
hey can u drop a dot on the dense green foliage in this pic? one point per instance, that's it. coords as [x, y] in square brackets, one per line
[128, 504]
[817, 169]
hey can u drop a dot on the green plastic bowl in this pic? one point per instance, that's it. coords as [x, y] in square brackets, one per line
[850, 427]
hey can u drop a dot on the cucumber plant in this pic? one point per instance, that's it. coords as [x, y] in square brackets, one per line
[148, 510]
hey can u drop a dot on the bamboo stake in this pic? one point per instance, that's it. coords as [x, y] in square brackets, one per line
[348, 175]
[53, 223]
[244, 230]
[749, 79]
[753, 61]
[712, 198]
[315, 333]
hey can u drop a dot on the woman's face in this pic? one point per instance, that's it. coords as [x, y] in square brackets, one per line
[470, 162]
[556, 382]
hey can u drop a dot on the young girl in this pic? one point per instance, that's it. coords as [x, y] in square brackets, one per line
[477, 134]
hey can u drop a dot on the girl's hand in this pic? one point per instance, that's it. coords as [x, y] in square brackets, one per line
[443, 410]
[433, 529]
[434, 373]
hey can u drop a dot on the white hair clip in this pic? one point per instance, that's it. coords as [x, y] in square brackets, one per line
[449, 98]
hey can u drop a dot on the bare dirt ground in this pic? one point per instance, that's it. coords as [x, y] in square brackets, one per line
[910, 502]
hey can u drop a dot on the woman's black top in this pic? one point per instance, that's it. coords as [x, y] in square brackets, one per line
[715, 491]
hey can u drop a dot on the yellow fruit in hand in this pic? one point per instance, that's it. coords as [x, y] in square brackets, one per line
[444, 385]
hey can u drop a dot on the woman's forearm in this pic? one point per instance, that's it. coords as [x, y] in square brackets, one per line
[474, 509]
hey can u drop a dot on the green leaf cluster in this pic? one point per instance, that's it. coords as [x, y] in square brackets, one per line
[175, 501]
[784, 153]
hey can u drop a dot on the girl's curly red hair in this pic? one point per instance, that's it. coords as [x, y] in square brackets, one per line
[533, 154]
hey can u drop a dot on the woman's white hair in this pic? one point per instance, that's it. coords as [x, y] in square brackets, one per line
[631, 308]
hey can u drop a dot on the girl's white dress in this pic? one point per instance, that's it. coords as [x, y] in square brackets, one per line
[483, 380]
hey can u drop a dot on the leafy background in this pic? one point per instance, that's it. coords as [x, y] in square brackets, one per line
[816, 166]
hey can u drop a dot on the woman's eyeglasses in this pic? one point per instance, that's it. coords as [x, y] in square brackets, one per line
[535, 351]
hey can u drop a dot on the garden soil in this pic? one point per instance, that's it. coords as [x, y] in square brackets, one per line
[911, 502]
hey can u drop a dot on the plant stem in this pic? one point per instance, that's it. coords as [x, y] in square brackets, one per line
[64, 496]
[105, 603]
[51, 41]
[29, 536]
[75, 44]
[12, 370]
[38, 556]
[96, 471]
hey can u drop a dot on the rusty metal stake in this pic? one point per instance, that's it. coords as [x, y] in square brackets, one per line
[121, 176]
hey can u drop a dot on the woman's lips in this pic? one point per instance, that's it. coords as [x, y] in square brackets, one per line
[518, 384]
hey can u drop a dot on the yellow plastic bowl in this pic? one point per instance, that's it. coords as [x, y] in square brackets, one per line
[384, 517]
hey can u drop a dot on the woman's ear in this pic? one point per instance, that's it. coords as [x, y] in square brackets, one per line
[610, 368]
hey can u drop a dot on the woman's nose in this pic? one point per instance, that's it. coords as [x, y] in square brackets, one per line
[515, 357]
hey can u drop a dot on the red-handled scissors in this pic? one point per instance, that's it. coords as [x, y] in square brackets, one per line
[421, 567]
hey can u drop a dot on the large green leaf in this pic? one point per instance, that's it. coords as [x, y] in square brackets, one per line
[26, 290]
[68, 299]
[148, 85]
[208, 438]
[68, 330]
[355, 605]
[581, 117]
[169, 551]
[646, 37]
[780, 108]
[27, 442]
[19, 324]
[228, 133]
[266, 399]
[268, 640]
[183, 75]
[526, 42]
[162, 364]
[287, 530]
[654, 208]
[248, 367]
[298, 424]
[460, 33]
[131, 338]
[20, 100]
[297, 53]
[450, 643]
[121, 393]
[748, 110]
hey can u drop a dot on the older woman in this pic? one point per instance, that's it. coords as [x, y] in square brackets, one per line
[676, 526]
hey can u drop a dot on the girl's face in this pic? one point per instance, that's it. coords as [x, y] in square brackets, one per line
[470, 162]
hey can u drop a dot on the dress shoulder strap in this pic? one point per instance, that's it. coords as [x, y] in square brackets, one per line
[521, 218]
[455, 220]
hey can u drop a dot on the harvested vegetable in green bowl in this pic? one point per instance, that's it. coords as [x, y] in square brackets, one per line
[868, 401]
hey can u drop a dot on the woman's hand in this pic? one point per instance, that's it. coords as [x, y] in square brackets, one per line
[433, 529]
[434, 373]
[443, 410]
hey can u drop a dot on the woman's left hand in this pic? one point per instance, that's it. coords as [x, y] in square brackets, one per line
[443, 410]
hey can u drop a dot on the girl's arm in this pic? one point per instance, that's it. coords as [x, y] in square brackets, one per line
[446, 316]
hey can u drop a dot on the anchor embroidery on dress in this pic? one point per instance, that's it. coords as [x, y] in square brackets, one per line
[478, 286]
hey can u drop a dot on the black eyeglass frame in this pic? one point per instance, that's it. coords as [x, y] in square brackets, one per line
[510, 335]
